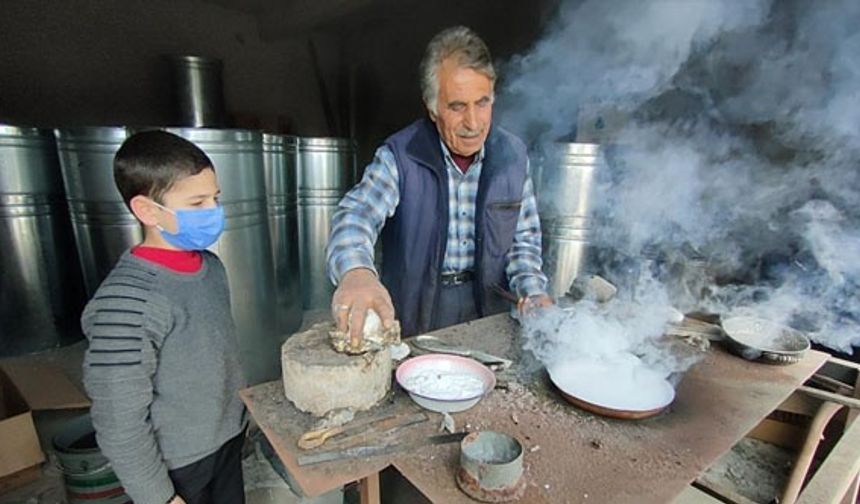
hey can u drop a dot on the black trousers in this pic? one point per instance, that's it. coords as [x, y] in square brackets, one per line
[214, 479]
[456, 305]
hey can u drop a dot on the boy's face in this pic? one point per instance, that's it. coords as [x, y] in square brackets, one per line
[196, 191]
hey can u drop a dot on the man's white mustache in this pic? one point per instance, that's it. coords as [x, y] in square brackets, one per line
[468, 133]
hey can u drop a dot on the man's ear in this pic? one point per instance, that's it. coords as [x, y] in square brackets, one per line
[144, 210]
[430, 113]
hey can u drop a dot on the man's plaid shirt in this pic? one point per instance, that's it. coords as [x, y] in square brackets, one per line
[363, 210]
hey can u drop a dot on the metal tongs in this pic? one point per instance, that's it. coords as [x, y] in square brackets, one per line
[434, 344]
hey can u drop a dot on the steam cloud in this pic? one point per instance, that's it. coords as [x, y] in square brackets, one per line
[733, 175]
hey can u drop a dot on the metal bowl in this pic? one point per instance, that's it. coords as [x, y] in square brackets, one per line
[761, 340]
[444, 363]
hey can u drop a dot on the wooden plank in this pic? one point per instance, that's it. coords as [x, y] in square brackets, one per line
[836, 475]
[580, 457]
[369, 489]
[800, 404]
[779, 433]
[571, 455]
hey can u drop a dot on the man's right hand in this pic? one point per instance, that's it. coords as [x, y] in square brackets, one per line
[360, 289]
[176, 500]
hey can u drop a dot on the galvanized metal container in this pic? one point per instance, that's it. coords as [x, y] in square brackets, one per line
[327, 170]
[280, 161]
[245, 248]
[566, 186]
[491, 467]
[198, 91]
[104, 227]
[41, 289]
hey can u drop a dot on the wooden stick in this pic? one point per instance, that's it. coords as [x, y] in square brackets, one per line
[844, 363]
[720, 492]
[810, 444]
[830, 396]
[832, 382]
[836, 475]
[505, 294]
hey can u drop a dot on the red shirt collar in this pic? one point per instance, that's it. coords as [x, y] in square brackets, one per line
[180, 261]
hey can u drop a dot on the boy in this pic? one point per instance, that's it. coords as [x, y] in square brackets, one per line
[162, 367]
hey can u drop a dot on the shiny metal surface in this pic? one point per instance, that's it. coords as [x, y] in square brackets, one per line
[280, 161]
[41, 289]
[245, 248]
[566, 188]
[104, 228]
[327, 170]
[198, 91]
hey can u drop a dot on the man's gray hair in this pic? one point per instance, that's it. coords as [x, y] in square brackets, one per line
[462, 43]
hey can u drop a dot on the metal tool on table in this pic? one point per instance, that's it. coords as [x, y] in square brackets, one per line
[378, 449]
[434, 344]
[379, 432]
[316, 438]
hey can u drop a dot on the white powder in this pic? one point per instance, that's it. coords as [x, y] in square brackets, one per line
[444, 385]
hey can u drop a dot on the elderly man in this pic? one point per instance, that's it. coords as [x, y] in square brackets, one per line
[453, 200]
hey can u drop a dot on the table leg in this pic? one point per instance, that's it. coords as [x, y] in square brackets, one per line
[369, 489]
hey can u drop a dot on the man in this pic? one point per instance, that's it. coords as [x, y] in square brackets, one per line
[453, 201]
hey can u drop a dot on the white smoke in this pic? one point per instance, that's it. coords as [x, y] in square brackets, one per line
[620, 53]
[740, 142]
[626, 333]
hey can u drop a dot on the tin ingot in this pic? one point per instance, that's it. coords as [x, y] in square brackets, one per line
[374, 336]
[491, 467]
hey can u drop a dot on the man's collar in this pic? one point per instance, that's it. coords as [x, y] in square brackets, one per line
[446, 153]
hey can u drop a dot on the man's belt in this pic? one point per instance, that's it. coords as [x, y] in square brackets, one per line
[458, 278]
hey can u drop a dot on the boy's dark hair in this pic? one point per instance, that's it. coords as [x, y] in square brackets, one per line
[150, 162]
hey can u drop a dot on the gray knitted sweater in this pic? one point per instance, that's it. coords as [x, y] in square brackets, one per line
[162, 370]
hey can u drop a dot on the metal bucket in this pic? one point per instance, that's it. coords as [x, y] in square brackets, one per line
[104, 228]
[491, 467]
[327, 170]
[565, 252]
[280, 161]
[565, 202]
[245, 247]
[87, 474]
[198, 91]
[41, 289]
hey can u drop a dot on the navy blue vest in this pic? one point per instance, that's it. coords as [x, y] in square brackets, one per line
[414, 239]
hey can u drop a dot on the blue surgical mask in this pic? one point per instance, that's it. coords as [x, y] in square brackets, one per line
[196, 228]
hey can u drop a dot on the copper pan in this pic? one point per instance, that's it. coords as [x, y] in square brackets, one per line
[611, 412]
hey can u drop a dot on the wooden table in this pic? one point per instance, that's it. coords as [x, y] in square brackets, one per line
[571, 455]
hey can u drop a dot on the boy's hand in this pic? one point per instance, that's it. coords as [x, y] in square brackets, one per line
[177, 500]
[360, 289]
